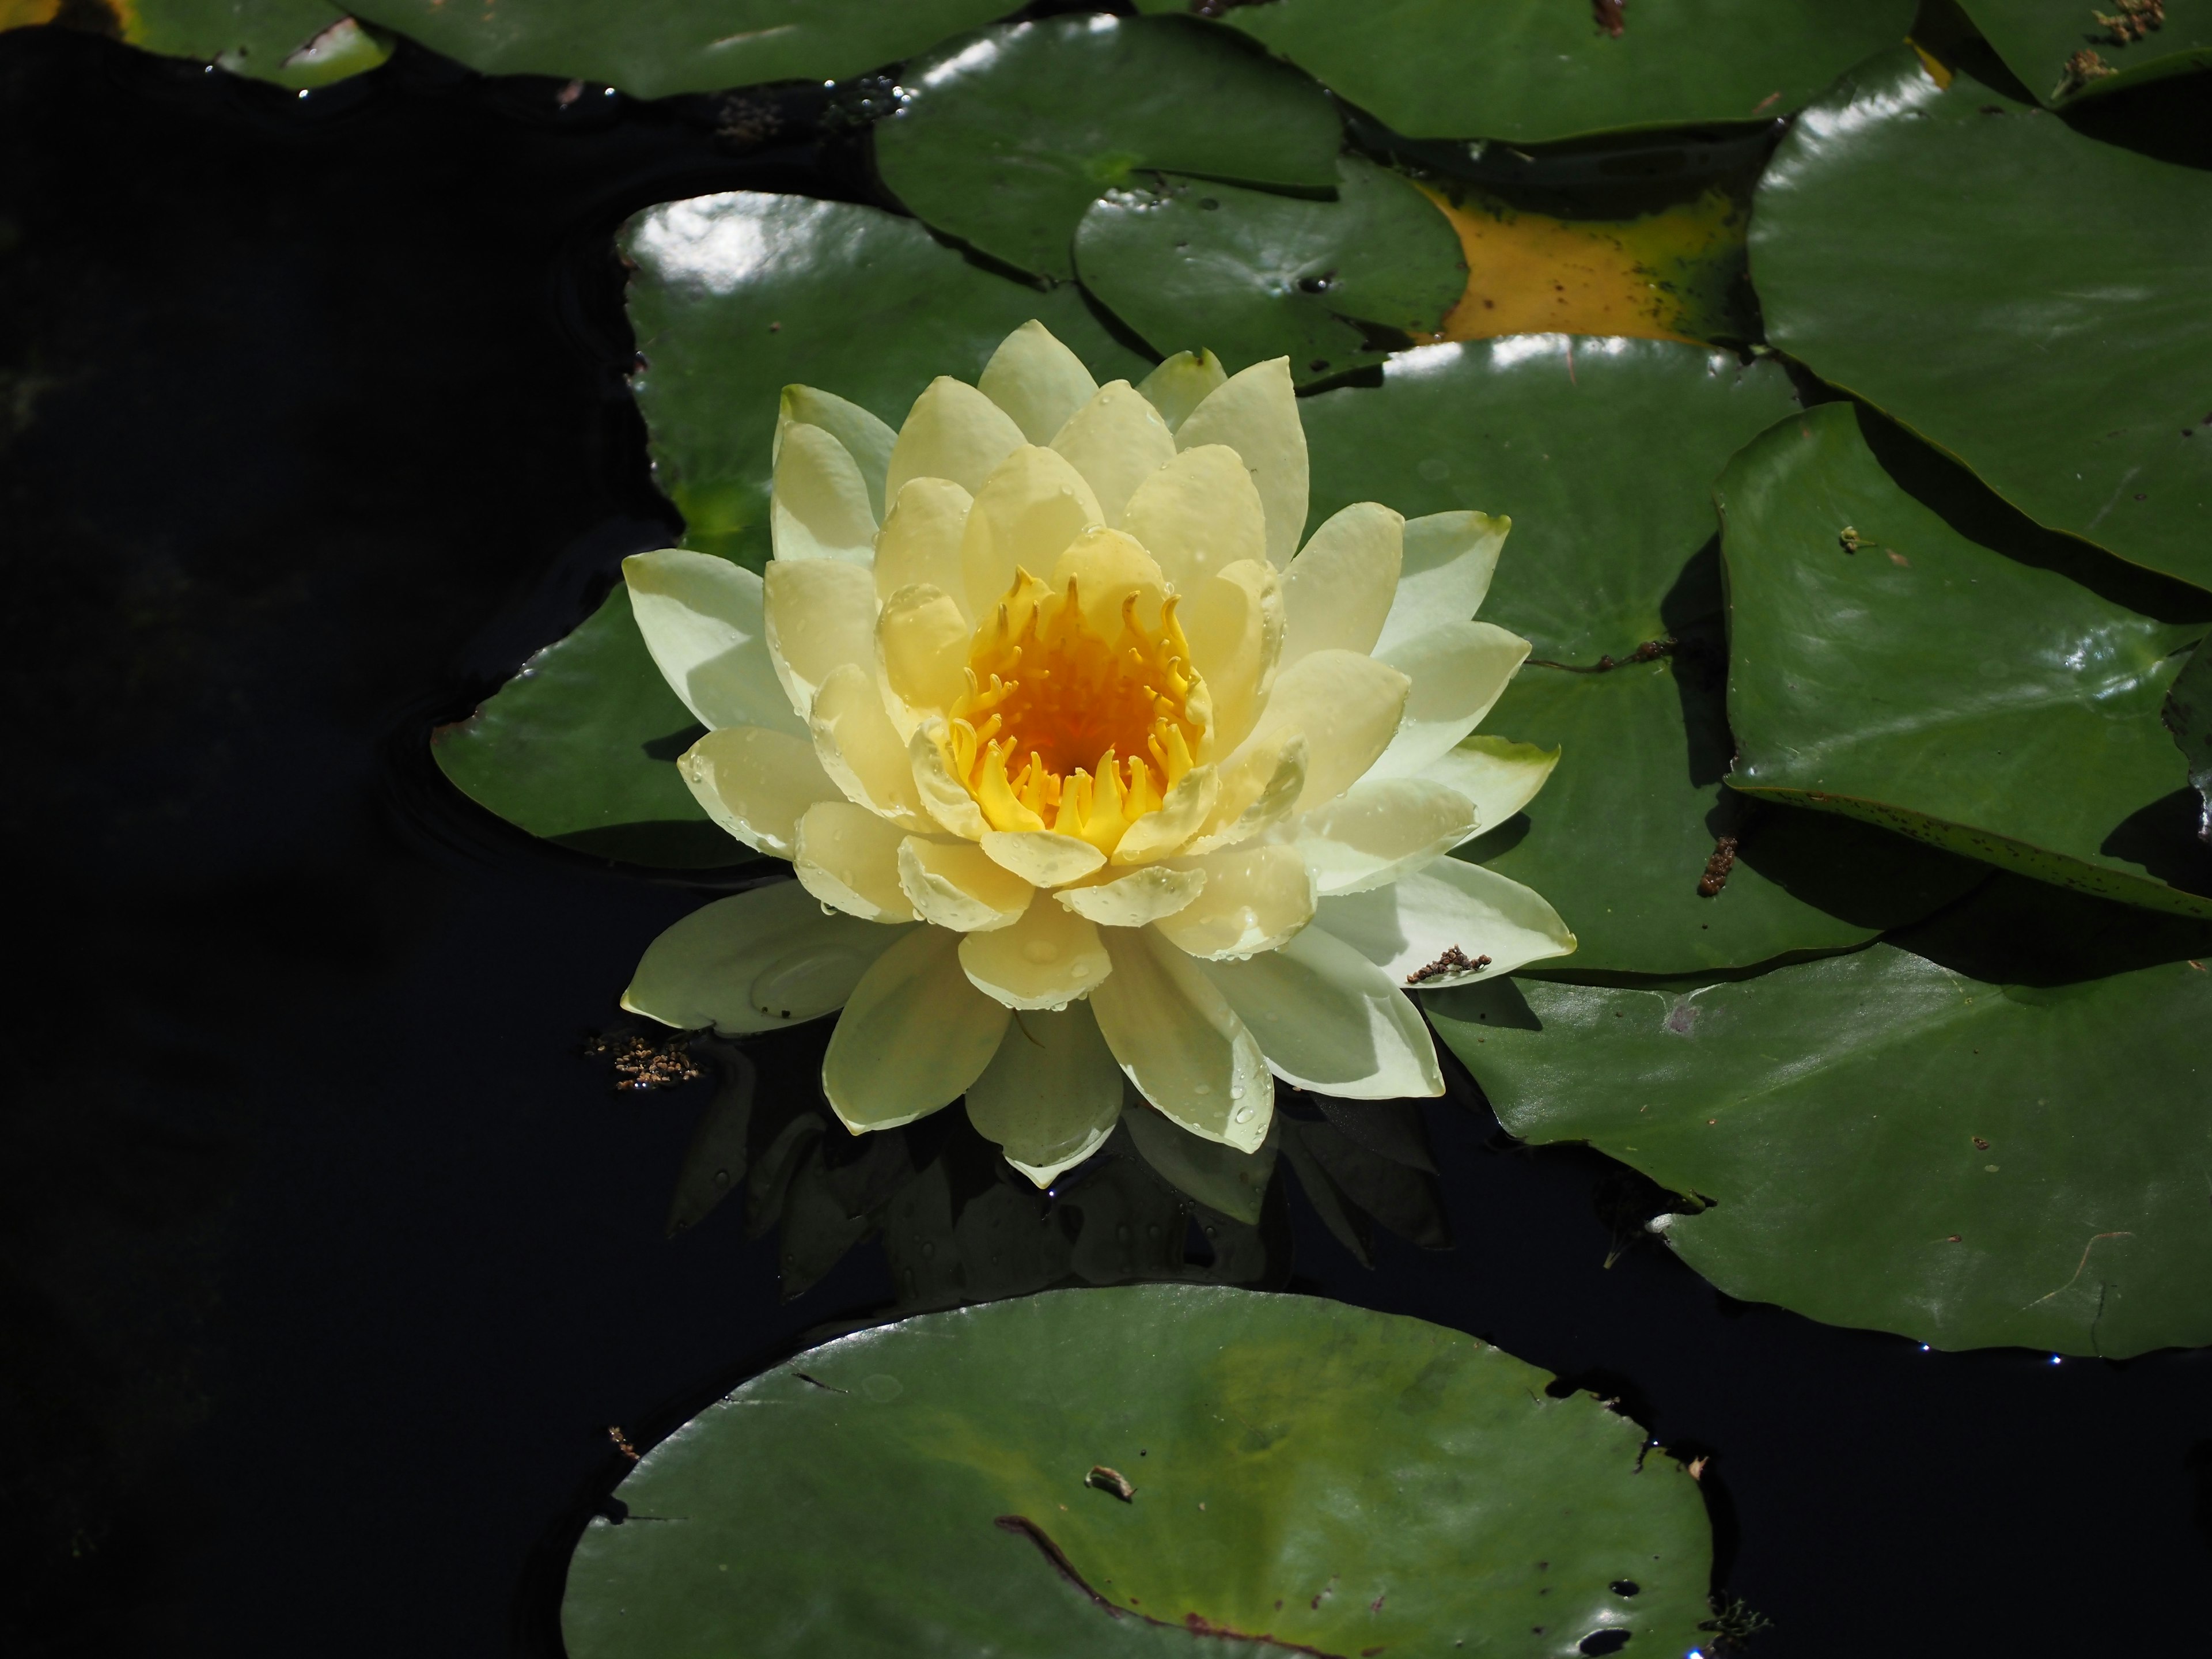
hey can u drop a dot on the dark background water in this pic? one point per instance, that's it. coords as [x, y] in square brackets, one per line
[326, 1260]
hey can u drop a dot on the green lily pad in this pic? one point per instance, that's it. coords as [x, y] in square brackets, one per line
[1906, 650]
[1253, 275]
[682, 46]
[1603, 453]
[1005, 137]
[580, 748]
[1114, 1472]
[300, 43]
[1532, 71]
[1928, 248]
[1995, 1136]
[2041, 40]
[2188, 714]
[735, 296]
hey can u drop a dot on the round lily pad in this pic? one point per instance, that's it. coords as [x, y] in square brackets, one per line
[1992, 1131]
[1003, 138]
[1603, 453]
[300, 43]
[2066, 49]
[735, 296]
[1251, 275]
[1530, 70]
[1114, 1471]
[1907, 650]
[1927, 247]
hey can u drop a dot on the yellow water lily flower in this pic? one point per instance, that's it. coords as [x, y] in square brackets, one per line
[1083, 776]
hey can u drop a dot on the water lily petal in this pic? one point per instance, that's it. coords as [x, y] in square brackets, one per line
[1255, 898]
[1181, 815]
[1444, 575]
[820, 507]
[1117, 441]
[923, 639]
[944, 797]
[866, 439]
[1338, 589]
[1030, 508]
[953, 431]
[952, 884]
[1042, 857]
[1497, 774]
[1107, 566]
[1220, 1178]
[1198, 513]
[1182, 384]
[820, 614]
[1329, 1019]
[1458, 671]
[700, 617]
[1048, 959]
[1037, 380]
[755, 962]
[1382, 828]
[757, 784]
[914, 1036]
[1256, 415]
[1347, 705]
[920, 543]
[861, 750]
[1052, 1093]
[1180, 1042]
[847, 857]
[1135, 900]
[1233, 620]
[1437, 927]
[1258, 791]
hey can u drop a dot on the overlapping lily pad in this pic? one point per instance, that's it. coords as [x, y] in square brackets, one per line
[1251, 275]
[1603, 453]
[2067, 50]
[1992, 1131]
[1005, 137]
[735, 296]
[2025, 297]
[300, 43]
[1909, 651]
[682, 46]
[1531, 70]
[1124, 1471]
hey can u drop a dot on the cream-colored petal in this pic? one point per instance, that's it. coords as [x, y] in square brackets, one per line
[1048, 959]
[1137, 899]
[1255, 898]
[923, 641]
[1117, 441]
[1337, 590]
[1347, 705]
[865, 438]
[1256, 414]
[944, 797]
[919, 545]
[1444, 575]
[1330, 1020]
[861, 750]
[1182, 384]
[1257, 793]
[953, 431]
[1051, 1095]
[819, 508]
[757, 784]
[1037, 380]
[700, 617]
[1435, 928]
[847, 857]
[1107, 566]
[952, 884]
[1380, 829]
[1180, 1042]
[1042, 857]
[1234, 622]
[820, 615]
[757, 961]
[1497, 774]
[1197, 514]
[1181, 815]
[1026, 513]
[914, 1035]
[1223, 1178]
[1457, 671]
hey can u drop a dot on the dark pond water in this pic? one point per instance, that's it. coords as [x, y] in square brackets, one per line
[329, 1260]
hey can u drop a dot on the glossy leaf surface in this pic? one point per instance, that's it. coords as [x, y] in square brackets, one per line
[2025, 297]
[736, 296]
[2188, 714]
[1530, 70]
[1006, 137]
[300, 43]
[1340, 1480]
[1997, 1136]
[1931, 662]
[2040, 41]
[1250, 275]
[1603, 453]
